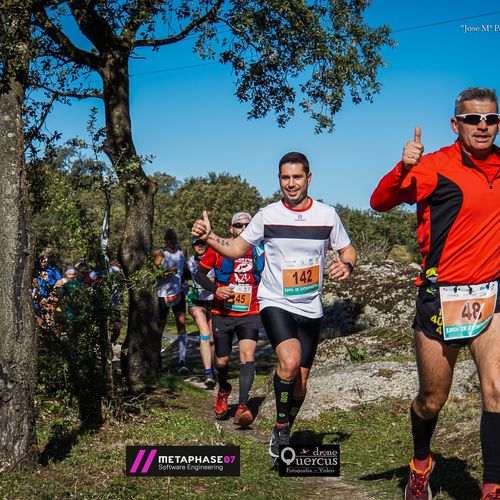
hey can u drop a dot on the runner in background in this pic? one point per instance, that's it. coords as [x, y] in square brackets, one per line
[296, 232]
[235, 311]
[171, 258]
[457, 191]
[199, 303]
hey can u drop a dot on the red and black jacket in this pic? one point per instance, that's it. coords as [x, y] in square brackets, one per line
[458, 211]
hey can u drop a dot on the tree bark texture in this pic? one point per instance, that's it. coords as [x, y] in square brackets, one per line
[18, 349]
[141, 349]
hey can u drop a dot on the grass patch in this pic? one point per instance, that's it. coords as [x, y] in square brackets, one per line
[93, 465]
[376, 446]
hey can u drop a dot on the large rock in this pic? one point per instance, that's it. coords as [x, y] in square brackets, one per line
[367, 355]
[377, 295]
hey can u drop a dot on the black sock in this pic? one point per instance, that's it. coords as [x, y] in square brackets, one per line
[490, 446]
[247, 374]
[283, 390]
[222, 372]
[295, 407]
[422, 431]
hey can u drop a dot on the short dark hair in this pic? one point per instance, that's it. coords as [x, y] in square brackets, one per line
[295, 157]
[170, 233]
[475, 94]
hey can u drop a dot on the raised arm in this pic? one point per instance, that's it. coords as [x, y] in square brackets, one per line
[232, 248]
[388, 194]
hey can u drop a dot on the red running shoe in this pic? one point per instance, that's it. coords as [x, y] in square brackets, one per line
[243, 416]
[491, 495]
[220, 405]
[418, 484]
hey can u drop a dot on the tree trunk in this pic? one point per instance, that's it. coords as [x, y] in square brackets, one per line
[18, 351]
[141, 349]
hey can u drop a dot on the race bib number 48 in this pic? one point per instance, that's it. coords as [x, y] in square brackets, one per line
[467, 309]
[300, 276]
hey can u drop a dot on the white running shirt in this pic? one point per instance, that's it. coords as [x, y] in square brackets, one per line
[170, 285]
[295, 244]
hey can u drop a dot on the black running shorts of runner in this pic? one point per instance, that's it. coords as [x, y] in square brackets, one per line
[225, 327]
[281, 325]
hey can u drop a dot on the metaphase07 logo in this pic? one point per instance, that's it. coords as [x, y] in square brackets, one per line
[183, 461]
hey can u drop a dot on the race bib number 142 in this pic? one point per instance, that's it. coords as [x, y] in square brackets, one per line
[300, 276]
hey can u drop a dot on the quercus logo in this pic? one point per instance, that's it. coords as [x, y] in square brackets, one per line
[138, 460]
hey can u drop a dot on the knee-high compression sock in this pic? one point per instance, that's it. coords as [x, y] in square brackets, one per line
[247, 374]
[490, 446]
[222, 372]
[422, 431]
[183, 342]
[295, 405]
[283, 390]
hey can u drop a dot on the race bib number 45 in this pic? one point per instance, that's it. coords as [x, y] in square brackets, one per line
[467, 309]
[242, 299]
[300, 276]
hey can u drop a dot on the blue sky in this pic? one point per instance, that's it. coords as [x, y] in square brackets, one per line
[191, 122]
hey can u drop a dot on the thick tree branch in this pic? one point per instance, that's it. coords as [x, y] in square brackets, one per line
[73, 95]
[79, 56]
[210, 15]
[92, 25]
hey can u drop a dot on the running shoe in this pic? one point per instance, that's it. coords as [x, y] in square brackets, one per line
[182, 369]
[209, 381]
[418, 483]
[220, 405]
[281, 435]
[243, 416]
[491, 495]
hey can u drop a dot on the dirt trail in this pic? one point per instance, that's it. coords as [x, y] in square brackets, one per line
[326, 487]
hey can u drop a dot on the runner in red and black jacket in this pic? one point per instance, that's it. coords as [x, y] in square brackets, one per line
[457, 191]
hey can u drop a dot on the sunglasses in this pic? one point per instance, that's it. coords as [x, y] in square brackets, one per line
[240, 225]
[199, 244]
[475, 118]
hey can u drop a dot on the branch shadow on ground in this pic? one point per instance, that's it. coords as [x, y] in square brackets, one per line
[60, 443]
[308, 437]
[450, 475]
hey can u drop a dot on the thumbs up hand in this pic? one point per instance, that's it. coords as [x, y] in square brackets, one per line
[413, 150]
[202, 227]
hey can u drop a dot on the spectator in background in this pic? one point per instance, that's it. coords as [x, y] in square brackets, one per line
[45, 277]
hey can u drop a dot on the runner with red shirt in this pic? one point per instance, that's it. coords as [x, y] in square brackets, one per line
[235, 311]
[457, 191]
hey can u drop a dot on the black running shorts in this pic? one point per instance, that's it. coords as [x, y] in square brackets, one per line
[428, 315]
[163, 308]
[224, 328]
[282, 325]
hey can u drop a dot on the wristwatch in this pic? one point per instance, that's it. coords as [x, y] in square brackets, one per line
[349, 266]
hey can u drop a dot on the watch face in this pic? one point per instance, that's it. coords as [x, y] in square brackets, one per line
[349, 266]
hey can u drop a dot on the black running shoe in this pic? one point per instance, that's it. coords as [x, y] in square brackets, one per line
[281, 435]
[209, 381]
[182, 369]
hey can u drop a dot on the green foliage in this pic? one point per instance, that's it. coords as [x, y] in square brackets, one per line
[285, 54]
[220, 194]
[374, 234]
[68, 197]
[356, 355]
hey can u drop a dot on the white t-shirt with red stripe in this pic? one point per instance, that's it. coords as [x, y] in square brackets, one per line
[295, 244]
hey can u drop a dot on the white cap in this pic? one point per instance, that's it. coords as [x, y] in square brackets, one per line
[240, 215]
